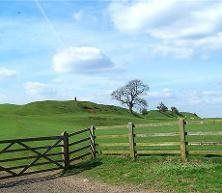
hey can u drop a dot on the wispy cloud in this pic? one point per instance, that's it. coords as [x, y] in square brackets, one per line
[208, 97]
[163, 94]
[78, 15]
[48, 21]
[6, 72]
[38, 90]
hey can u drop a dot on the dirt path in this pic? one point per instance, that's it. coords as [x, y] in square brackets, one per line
[52, 183]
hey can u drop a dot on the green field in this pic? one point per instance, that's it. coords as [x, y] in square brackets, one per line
[200, 174]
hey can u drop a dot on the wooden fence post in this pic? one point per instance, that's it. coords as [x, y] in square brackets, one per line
[183, 142]
[65, 149]
[131, 127]
[93, 141]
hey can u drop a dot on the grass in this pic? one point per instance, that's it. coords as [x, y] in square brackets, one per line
[163, 173]
[200, 174]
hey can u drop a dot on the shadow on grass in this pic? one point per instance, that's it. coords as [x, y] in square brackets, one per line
[81, 167]
[26, 180]
[46, 176]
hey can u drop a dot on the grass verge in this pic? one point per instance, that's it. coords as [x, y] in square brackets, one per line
[163, 173]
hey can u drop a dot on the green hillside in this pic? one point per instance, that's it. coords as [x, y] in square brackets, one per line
[60, 107]
[8, 108]
[50, 107]
[53, 117]
[157, 115]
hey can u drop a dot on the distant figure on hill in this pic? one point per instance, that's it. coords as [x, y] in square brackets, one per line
[75, 99]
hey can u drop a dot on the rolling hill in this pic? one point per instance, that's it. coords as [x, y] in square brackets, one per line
[53, 117]
[51, 107]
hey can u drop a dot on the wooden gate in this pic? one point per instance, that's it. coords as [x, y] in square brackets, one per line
[33, 155]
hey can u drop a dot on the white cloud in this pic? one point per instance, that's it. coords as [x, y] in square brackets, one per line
[5, 72]
[209, 97]
[185, 48]
[182, 27]
[164, 93]
[138, 16]
[81, 59]
[38, 89]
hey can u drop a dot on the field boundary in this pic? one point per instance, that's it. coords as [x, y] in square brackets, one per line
[181, 142]
[8, 167]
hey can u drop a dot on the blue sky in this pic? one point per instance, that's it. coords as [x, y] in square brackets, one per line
[61, 49]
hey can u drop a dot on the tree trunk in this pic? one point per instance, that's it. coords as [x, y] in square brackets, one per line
[130, 108]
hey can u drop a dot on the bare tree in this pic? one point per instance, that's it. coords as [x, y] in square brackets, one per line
[130, 93]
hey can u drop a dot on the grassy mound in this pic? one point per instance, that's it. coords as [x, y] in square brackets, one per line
[60, 107]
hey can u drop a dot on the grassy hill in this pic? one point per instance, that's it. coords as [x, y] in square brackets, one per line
[50, 107]
[8, 108]
[60, 107]
[53, 117]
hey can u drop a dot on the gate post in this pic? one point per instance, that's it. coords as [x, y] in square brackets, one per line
[93, 141]
[183, 141]
[131, 127]
[65, 149]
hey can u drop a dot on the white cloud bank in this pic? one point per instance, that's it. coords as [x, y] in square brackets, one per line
[5, 72]
[81, 60]
[183, 27]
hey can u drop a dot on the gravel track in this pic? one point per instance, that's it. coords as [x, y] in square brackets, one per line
[52, 183]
